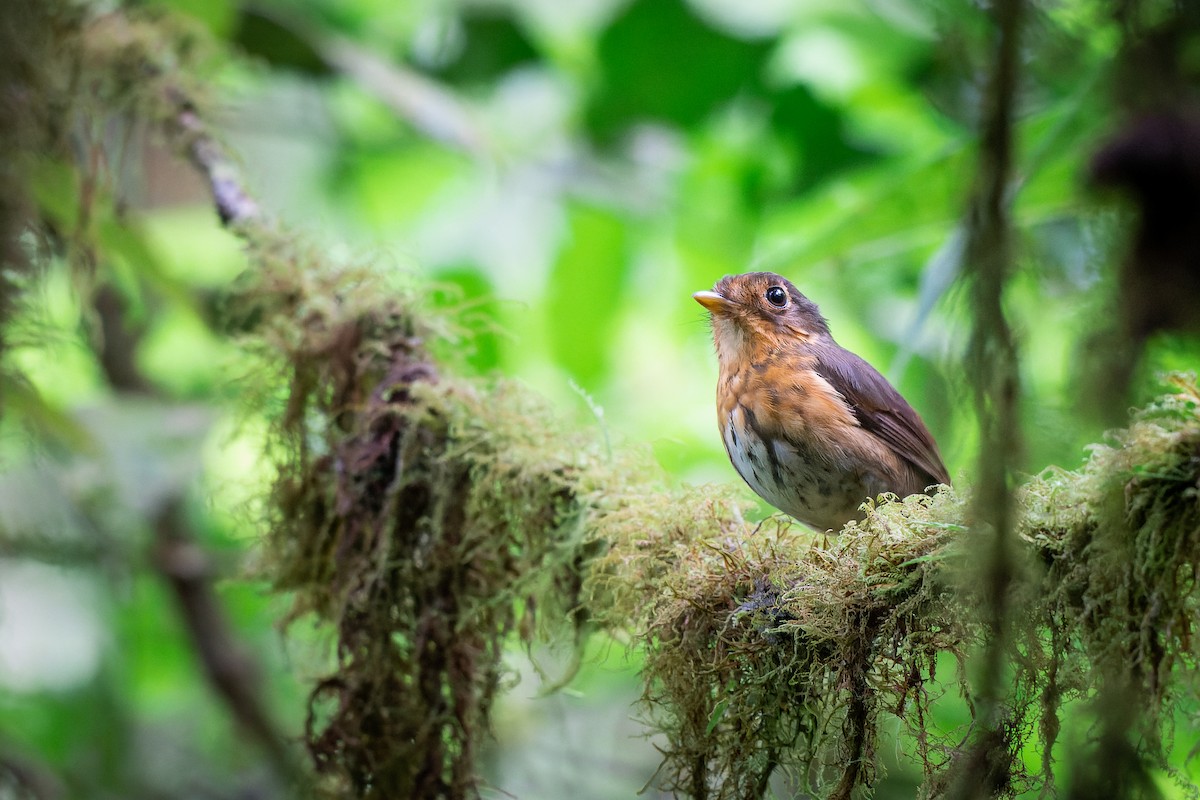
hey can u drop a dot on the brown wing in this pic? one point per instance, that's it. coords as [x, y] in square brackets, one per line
[881, 410]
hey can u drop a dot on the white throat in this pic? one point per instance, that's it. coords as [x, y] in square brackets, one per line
[731, 340]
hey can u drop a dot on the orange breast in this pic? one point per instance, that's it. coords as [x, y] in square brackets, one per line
[797, 443]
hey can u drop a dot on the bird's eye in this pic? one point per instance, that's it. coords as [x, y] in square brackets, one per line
[777, 297]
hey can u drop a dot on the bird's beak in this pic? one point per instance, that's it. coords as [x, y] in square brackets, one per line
[714, 302]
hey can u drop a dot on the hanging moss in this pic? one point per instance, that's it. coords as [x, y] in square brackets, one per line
[423, 519]
[1116, 605]
[771, 649]
[426, 520]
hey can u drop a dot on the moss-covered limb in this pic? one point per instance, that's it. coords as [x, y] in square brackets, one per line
[775, 648]
[1122, 579]
[422, 518]
[426, 519]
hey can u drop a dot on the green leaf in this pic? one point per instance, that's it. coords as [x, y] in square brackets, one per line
[659, 61]
[714, 719]
[817, 130]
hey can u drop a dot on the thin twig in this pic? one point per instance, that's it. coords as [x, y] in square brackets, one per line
[234, 204]
[21, 776]
[186, 569]
[431, 107]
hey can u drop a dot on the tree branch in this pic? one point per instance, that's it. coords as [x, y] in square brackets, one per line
[234, 203]
[22, 777]
[426, 524]
[230, 671]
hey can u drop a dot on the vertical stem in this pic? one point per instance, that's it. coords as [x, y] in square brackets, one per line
[992, 365]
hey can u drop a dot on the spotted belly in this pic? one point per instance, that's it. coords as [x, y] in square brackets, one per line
[817, 489]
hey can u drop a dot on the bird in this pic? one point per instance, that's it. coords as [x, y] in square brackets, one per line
[811, 427]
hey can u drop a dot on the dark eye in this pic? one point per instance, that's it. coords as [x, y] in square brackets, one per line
[777, 297]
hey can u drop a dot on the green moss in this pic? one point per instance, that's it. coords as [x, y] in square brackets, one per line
[424, 519]
[773, 649]
[428, 519]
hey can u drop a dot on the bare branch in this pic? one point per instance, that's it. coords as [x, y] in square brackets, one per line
[233, 201]
[21, 776]
[186, 569]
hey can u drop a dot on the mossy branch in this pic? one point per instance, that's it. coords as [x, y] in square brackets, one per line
[436, 517]
[426, 519]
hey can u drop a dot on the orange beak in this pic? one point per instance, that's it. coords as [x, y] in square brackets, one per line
[714, 302]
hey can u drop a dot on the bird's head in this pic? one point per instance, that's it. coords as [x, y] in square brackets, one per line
[759, 311]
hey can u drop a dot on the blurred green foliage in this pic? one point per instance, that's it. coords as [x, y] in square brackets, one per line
[562, 176]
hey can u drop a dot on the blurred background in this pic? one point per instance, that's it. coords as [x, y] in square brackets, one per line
[558, 176]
